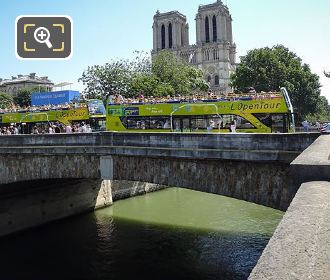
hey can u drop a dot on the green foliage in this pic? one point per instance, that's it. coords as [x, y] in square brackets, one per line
[173, 71]
[145, 84]
[103, 80]
[166, 75]
[6, 100]
[23, 96]
[115, 76]
[322, 112]
[268, 69]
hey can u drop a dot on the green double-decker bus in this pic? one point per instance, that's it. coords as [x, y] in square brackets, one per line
[91, 112]
[259, 113]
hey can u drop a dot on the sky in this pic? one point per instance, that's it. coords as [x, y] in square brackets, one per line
[104, 30]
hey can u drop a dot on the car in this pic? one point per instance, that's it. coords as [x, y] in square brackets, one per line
[325, 128]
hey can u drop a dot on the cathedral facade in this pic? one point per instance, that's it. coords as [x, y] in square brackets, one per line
[214, 51]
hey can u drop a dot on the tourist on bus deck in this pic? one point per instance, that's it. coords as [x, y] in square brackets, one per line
[141, 97]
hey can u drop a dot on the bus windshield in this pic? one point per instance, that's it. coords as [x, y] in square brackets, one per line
[96, 107]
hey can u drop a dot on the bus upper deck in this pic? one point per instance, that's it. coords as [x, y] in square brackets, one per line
[91, 112]
[265, 112]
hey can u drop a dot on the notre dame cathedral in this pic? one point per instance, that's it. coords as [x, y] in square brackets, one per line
[214, 51]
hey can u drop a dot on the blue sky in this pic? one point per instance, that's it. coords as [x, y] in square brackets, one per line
[111, 29]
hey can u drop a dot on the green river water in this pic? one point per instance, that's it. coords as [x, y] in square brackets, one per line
[170, 234]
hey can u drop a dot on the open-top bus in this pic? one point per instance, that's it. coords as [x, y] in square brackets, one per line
[92, 112]
[266, 113]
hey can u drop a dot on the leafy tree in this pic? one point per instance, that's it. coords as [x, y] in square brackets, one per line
[173, 71]
[23, 95]
[268, 69]
[6, 100]
[327, 74]
[164, 75]
[115, 76]
[145, 83]
[102, 80]
[322, 113]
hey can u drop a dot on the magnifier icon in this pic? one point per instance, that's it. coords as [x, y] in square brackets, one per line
[42, 35]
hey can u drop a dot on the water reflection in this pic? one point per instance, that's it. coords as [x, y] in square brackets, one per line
[172, 234]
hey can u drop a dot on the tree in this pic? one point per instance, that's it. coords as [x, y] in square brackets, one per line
[181, 76]
[327, 74]
[322, 112]
[115, 76]
[102, 80]
[23, 96]
[165, 75]
[6, 100]
[268, 69]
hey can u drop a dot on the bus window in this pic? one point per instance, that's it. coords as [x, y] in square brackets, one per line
[177, 125]
[214, 122]
[199, 123]
[279, 123]
[96, 107]
[186, 125]
[182, 124]
[137, 123]
[97, 124]
[226, 121]
[160, 123]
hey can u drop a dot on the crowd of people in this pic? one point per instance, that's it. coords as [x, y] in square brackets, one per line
[196, 97]
[18, 109]
[46, 128]
[308, 126]
[119, 99]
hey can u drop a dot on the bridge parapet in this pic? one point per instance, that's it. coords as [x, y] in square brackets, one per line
[248, 147]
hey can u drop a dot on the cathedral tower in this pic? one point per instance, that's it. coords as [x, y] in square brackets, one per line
[214, 51]
[171, 31]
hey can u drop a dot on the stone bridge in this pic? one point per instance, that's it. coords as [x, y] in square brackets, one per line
[47, 177]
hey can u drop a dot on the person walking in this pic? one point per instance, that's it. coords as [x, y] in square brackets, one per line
[305, 125]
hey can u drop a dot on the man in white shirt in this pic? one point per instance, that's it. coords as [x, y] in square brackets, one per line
[50, 130]
[83, 128]
[68, 129]
[88, 129]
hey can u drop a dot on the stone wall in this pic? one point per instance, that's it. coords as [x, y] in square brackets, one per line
[37, 166]
[126, 189]
[300, 246]
[263, 183]
[28, 204]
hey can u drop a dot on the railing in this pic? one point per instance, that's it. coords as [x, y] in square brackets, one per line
[201, 97]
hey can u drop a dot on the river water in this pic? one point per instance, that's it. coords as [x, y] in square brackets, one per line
[170, 234]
